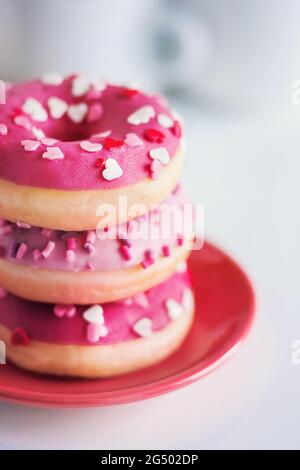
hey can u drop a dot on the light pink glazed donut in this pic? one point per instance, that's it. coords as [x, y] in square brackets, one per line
[98, 341]
[94, 266]
[68, 146]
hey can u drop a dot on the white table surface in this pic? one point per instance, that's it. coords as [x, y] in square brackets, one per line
[246, 172]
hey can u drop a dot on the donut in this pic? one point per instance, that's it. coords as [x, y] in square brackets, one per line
[69, 147]
[99, 340]
[94, 266]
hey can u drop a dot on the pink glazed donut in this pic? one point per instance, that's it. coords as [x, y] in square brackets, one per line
[94, 266]
[70, 146]
[98, 341]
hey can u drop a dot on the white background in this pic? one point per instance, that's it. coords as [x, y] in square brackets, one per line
[245, 169]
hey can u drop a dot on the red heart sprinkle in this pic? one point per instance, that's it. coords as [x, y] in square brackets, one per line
[100, 162]
[128, 92]
[109, 142]
[152, 135]
[19, 337]
[176, 129]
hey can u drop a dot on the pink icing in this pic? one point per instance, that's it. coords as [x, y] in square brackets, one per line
[146, 241]
[77, 169]
[39, 321]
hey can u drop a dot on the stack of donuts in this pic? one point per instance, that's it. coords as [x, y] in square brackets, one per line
[93, 272]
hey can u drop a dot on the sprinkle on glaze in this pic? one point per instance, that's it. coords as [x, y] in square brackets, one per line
[125, 123]
[108, 324]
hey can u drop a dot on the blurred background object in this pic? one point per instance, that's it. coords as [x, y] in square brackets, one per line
[233, 53]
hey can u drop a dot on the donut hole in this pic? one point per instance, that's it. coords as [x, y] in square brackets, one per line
[67, 131]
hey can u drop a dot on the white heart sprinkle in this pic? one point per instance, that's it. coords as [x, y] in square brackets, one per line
[96, 332]
[77, 112]
[52, 78]
[80, 86]
[23, 121]
[94, 315]
[175, 310]
[165, 121]
[53, 153]
[38, 133]
[90, 146]
[188, 299]
[143, 328]
[48, 142]
[30, 145]
[3, 129]
[57, 107]
[35, 109]
[181, 267]
[99, 85]
[161, 154]
[132, 140]
[141, 115]
[101, 135]
[112, 170]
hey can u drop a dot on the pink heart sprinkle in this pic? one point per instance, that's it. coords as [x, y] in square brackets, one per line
[95, 332]
[3, 129]
[61, 311]
[95, 112]
[132, 140]
[30, 145]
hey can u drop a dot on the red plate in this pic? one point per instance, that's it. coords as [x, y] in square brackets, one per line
[225, 312]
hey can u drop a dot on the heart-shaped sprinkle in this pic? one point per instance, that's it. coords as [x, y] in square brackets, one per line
[112, 170]
[94, 315]
[99, 85]
[143, 328]
[22, 121]
[38, 133]
[103, 134]
[95, 112]
[160, 154]
[100, 162]
[53, 153]
[19, 337]
[155, 169]
[62, 311]
[141, 300]
[132, 140]
[110, 143]
[165, 121]
[176, 129]
[35, 109]
[52, 78]
[90, 146]
[141, 115]
[80, 86]
[174, 309]
[152, 135]
[96, 332]
[3, 129]
[48, 142]
[57, 107]
[128, 92]
[30, 145]
[188, 300]
[77, 112]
